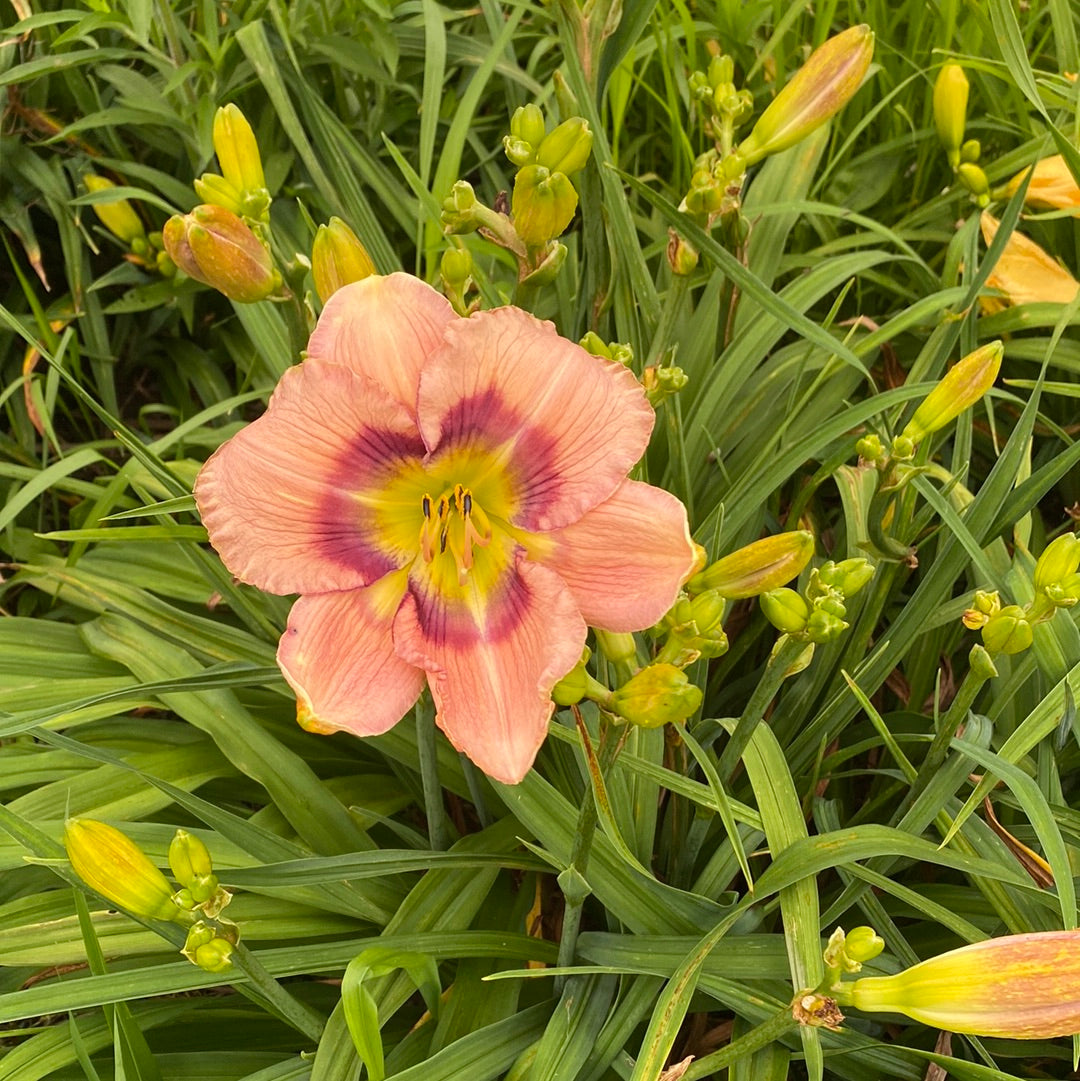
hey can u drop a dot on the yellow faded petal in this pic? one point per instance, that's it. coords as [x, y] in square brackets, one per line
[1052, 186]
[1020, 987]
[1025, 273]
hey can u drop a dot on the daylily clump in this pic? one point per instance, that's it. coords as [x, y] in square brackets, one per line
[450, 498]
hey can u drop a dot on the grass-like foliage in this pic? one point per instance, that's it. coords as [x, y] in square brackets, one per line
[652, 899]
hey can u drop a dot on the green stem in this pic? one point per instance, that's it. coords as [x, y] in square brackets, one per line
[429, 773]
[768, 685]
[764, 1034]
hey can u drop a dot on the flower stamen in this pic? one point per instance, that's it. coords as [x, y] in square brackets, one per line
[459, 524]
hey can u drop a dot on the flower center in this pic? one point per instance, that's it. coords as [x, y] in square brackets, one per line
[453, 524]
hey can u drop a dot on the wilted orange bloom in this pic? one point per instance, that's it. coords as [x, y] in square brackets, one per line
[1025, 273]
[1052, 186]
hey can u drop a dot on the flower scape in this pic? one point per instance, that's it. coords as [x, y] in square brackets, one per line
[450, 498]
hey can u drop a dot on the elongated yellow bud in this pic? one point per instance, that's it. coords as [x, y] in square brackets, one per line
[236, 149]
[338, 258]
[814, 94]
[963, 385]
[758, 568]
[1020, 987]
[110, 863]
[950, 109]
[118, 217]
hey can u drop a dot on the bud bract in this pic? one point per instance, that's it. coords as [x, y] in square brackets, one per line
[543, 205]
[237, 151]
[567, 148]
[212, 245]
[110, 863]
[118, 217]
[963, 385]
[757, 568]
[338, 258]
[1020, 987]
[950, 109]
[815, 93]
[785, 609]
[658, 694]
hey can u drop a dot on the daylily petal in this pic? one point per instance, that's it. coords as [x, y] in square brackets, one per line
[283, 499]
[625, 560]
[492, 658]
[337, 654]
[564, 425]
[384, 328]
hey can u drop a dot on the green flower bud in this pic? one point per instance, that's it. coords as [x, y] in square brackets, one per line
[813, 95]
[824, 626]
[543, 205]
[527, 125]
[215, 956]
[870, 448]
[721, 70]
[593, 343]
[237, 151]
[696, 630]
[566, 149]
[1016, 987]
[863, 944]
[963, 385]
[975, 180]
[218, 191]
[1059, 561]
[618, 647]
[848, 576]
[456, 266]
[682, 256]
[950, 109]
[785, 609]
[971, 150]
[112, 864]
[518, 151]
[1008, 631]
[757, 568]
[662, 383]
[213, 246]
[658, 694]
[118, 217]
[457, 209]
[192, 867]
[338, 258]
[572, 687]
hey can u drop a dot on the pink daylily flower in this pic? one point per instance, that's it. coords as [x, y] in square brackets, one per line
[450, 498]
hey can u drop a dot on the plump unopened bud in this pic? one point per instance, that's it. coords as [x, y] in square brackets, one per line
[207, 948]
[863, 944]
[543, 205]
[1059, 561]
[815, 93]
[338, 258]
[759, 567]
[785, 609]
[661, 383]
[846, 577]
[458, 209]
[824, 626]
[1008, 631]
[110, 863]
[963, 385]
[657, 695]
[527, 125]
[983, 606]
[975, 180]
[572, 687]
[212, 245]
[695, 629]
[618, 646]
[567, 148]
[192, 867]
[118, 217]
[236, 149]
[950, 109]
[1020, 987]
[456, 267]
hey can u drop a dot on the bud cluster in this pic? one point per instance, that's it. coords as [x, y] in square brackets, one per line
[543, 202]
[817, 614]
[1008, 629]
[950, 118]
[112, 865]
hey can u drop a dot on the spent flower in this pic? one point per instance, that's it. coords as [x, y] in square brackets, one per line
[450, 498]
[1025, 273]
[1052, 185]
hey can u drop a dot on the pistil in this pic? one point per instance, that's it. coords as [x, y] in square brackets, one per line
[454, 523]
